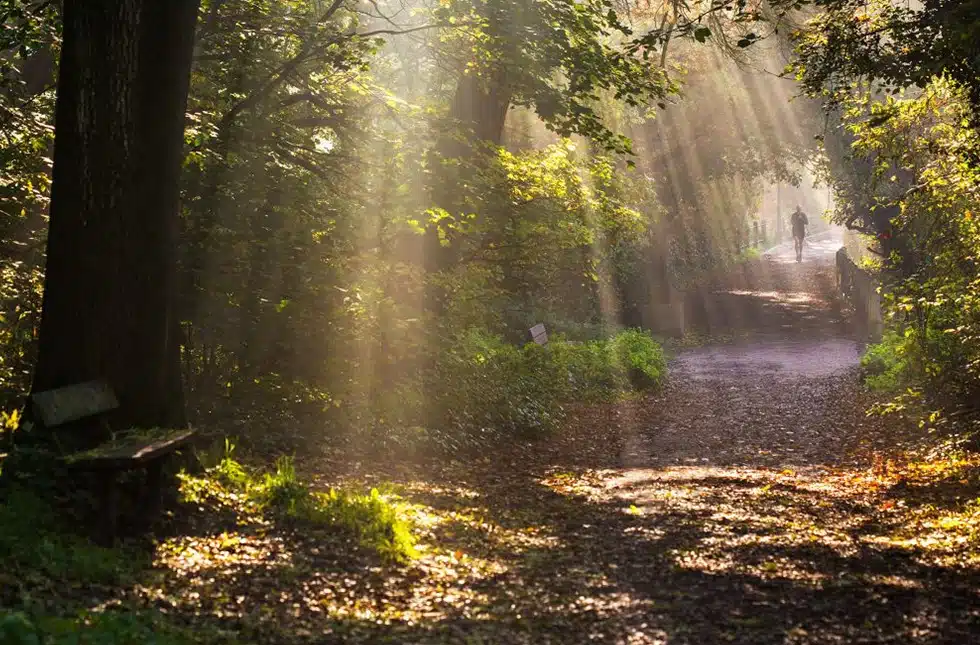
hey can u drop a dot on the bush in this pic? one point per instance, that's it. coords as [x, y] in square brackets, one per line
[885, 365]
[642, 358]
[592, 371]
[483, 388]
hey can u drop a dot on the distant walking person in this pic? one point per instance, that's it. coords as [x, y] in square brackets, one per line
[799, 223]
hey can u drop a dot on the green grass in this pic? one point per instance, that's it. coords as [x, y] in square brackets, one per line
[375, 520]
[35, 540]
[50, 568]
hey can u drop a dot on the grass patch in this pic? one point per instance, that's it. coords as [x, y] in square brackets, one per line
[49, 572]
[377, 521]
[35, 541]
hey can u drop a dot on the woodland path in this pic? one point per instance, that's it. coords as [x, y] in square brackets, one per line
[735, 506]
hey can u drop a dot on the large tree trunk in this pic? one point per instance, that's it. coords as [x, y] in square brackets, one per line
[109, 291]
[479, 110]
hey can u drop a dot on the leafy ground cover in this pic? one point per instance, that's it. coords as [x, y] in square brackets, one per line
[559, 542]
[737, 504]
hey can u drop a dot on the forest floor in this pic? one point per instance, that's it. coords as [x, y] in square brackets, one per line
[751, 500]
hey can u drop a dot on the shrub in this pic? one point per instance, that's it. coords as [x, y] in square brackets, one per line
[885, 364]
[642, 358]
[483, 388]
[593, 374]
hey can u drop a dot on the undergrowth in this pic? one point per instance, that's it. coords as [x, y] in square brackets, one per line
[26, 627]
[487, 389]
[49, 570]
[375, 520]
[53, 577]
[885, 365]
[36, 541]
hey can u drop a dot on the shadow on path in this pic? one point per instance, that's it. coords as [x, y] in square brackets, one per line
[711, 512]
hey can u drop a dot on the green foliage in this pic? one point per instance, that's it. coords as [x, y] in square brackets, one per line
[227, 471]
[604, 370]
[280, 490]
[376, 521]
[894, 45]
[486, 388]
[641, 357]
[304, 291]
[885, 365]
[558, 57]
[35, 538]
[919, 194]
[482, 387]
[29, 39]
[17, 629]
[91, 628]
[937, 304]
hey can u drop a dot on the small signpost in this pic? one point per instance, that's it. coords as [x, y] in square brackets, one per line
[538, 334]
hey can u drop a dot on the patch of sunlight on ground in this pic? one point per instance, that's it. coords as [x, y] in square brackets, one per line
[738, 514]
[789, 297]
[186, 554]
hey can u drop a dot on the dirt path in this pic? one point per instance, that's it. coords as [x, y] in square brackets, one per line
[736, 470]
[727, 509]
[772, 394]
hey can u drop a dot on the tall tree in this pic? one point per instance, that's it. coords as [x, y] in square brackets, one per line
[109, 289]
[557, 57]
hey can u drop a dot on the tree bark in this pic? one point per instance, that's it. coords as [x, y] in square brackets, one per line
[108, 307]
[480, 111]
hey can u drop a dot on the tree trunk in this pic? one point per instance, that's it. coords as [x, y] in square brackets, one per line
[480, 109]
[109, 291]
[481, 113]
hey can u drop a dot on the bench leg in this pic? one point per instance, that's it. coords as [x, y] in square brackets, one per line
[153, 497]
[160, 490]
[110, 506]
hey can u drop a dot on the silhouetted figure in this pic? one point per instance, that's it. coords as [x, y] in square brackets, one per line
[799, 223]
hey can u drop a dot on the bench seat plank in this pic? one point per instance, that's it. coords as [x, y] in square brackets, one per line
[130, 450]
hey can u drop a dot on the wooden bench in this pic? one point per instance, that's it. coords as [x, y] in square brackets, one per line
[538, 334]
[77, 414]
